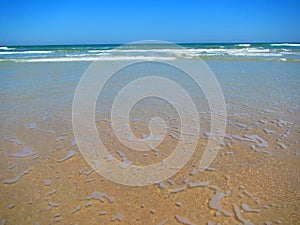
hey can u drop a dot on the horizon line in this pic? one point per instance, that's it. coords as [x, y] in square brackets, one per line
[179, 43]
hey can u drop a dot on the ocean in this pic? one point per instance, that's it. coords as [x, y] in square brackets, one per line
[232, 51]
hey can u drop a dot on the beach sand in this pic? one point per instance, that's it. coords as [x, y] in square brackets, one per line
[266, 179]
[249, 182]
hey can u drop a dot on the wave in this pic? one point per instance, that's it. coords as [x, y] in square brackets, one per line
[90, 53]
[287, 44]
[243, 45]
[6, 48]
[96, 51]
[256, 54]
[25, 52]
[92, 59]
[75, 59]
[193, 52]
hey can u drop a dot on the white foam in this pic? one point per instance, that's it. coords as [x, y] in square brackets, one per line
[252, 52]
[76, 59]
[244, 45]
[6, 48]
[96, 51]
[287, 44]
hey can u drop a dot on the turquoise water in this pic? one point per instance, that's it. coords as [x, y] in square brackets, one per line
[246, 51]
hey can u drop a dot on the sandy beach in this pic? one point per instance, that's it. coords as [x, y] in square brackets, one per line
[253, 180]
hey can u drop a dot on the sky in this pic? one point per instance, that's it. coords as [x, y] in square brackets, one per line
[95, 22]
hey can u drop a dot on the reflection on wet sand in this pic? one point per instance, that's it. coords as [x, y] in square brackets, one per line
[253, 180]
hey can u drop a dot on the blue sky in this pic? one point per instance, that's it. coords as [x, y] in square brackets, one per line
[86, 22]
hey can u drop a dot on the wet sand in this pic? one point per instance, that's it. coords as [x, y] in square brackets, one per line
[253, 180]
[243, 185]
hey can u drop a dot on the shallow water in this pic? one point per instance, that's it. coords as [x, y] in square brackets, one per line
[254, 179]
